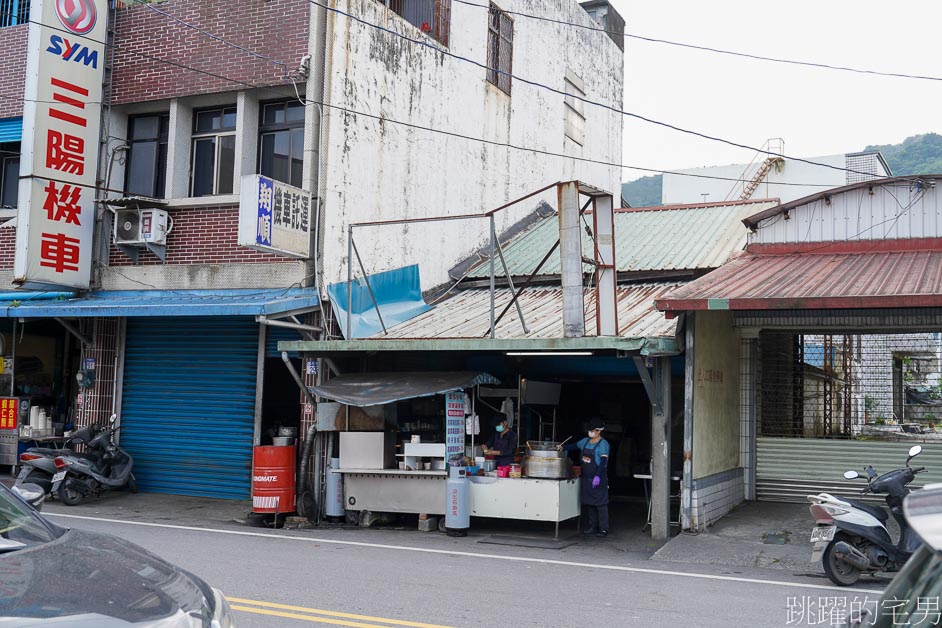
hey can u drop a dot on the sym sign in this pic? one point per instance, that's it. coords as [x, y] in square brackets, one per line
[275, 217]
[60, 147]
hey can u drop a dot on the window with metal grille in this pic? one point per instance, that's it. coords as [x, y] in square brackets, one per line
[213, 163]
[885, 387]
[281, 142]
[13, 12]
[500, 48]
[432, 17]
[9, 173]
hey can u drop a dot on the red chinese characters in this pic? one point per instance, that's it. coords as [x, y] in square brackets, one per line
[60, 252]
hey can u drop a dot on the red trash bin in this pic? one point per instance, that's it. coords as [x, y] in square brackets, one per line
[273, 479]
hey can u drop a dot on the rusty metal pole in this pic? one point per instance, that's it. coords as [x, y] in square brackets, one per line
[350, 282]
[493, 240]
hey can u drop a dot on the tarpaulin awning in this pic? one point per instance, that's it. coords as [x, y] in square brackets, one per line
[245, 302]
[397, 293]
[374, 389]
[816, 280]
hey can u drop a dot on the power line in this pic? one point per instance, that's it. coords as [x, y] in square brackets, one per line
[594, 103]
[733, 53]
[383, 119]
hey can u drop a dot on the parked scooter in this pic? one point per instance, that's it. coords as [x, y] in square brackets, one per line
[851, 537]
[80, 476]
[38, 463]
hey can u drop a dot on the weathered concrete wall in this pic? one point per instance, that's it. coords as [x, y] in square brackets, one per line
[716, 416]
[379, 170]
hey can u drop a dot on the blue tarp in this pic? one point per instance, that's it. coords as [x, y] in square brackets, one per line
[397, 292]
[248, 302]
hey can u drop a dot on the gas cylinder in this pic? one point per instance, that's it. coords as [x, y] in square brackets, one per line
[333, 504]
[457, 502]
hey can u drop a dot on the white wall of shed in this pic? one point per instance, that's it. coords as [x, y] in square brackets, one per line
[897, 210]
[380, 171]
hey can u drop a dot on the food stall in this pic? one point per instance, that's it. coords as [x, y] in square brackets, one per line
[398, 463]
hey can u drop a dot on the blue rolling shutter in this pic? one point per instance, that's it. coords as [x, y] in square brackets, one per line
[188, 405]
[11, 129]
[274, 335]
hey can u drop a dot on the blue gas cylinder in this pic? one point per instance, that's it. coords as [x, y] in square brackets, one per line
[457, 502]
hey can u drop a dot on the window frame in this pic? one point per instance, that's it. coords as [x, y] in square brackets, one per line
[215, 134]
[8, 156]
[14, 13]
[276, 127]
[162, 140]
[500, 48]
[437, 22]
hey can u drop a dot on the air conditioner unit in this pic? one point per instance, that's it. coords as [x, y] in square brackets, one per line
[141, 226]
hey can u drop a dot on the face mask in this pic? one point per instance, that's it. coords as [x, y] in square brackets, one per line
[499, 428]
[593, 433]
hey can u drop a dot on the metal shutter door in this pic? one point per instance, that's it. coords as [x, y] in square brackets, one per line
[188, 405]
[274, 335]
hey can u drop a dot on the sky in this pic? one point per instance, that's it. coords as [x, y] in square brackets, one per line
[816, 111]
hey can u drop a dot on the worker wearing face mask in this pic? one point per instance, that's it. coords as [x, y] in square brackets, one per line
[502, 442]
[594, 451]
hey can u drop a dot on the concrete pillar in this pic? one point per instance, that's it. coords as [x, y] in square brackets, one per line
[661, 450]
[686, 495]
[570, 254]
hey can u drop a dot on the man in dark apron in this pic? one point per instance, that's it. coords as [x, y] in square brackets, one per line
[594, 451]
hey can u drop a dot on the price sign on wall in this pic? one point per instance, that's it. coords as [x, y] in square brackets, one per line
[454, 425]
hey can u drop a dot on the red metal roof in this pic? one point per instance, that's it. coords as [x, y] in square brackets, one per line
[890, 274]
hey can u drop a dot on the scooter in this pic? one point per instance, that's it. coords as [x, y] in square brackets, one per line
[851, 537]
[78, 476]
[38, 463]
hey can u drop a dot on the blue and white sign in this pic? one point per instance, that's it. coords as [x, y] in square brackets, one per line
[275, 217]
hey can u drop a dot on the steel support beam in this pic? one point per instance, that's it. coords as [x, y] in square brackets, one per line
[570, 253]
[661, 451]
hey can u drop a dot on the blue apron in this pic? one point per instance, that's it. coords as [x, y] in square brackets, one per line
[593, 496]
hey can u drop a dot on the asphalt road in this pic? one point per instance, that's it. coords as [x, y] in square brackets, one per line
[274, 578]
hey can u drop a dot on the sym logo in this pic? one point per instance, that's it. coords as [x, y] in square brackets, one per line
[72, 52]
[78, 16]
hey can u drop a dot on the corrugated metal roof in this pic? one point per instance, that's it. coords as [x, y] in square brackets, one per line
[905, 278]
[675, 237]
[467, 315]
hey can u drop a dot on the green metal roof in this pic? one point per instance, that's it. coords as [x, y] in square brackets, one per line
[669, 238]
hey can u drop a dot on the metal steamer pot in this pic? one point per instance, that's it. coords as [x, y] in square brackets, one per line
[544, 449]
[546, 461]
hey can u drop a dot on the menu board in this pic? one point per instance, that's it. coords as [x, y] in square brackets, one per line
[454, 425]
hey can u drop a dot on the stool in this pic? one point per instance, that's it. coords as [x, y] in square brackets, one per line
[646, 478]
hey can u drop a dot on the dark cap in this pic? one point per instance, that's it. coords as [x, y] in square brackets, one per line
[499, 418]
[595, 424]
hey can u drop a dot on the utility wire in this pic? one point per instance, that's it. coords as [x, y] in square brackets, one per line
[271, 89]
[733, 53]
[588, 101]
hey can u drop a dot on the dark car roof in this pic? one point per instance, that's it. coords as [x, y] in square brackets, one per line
[83, 573]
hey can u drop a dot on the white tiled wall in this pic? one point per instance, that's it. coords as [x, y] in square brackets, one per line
[714, 496]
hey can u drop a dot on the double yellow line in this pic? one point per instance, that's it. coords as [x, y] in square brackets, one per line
[320, 616]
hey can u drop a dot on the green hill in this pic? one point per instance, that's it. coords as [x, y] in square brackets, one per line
[643, 192]
[919, 154]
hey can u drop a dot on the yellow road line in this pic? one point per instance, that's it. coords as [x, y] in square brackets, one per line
[310, 618]
[304, 609]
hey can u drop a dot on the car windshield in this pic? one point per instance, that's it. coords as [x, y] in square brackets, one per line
[914, 592]
[20, 526]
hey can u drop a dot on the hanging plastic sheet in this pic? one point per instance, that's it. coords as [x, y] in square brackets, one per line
[398, 295]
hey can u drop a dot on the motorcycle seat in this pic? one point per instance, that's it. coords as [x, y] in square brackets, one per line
[876, 511]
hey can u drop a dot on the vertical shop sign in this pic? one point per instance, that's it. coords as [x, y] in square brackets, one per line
[60, 148]
[8, 413]
[454, 425]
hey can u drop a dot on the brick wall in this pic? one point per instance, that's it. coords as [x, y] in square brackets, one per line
[201, 236]
[7, 247]
[277, 29]
[13, 77]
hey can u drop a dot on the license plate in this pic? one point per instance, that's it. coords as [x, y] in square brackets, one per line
[823, 533]
[58, 477]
